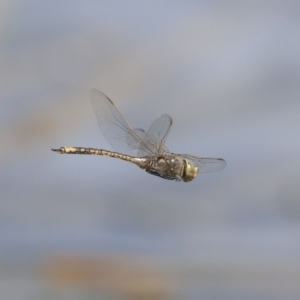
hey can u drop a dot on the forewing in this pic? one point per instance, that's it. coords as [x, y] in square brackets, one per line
[140, 132]
[154, 140]
[113, 125]
[206, 164]
[136, 143]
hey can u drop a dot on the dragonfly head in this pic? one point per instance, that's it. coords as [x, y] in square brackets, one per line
[190, 171]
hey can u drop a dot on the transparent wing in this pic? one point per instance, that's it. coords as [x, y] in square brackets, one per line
[114, 127]
[156, 136]
[140, 132]
[134, 143]
[206, 164]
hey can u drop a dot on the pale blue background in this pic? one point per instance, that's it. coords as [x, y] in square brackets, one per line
[228, 73]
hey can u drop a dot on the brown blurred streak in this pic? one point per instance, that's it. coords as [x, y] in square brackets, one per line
[55, 117]
[113, 274]
[35, 128]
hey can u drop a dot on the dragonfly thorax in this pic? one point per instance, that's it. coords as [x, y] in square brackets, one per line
[168, 166]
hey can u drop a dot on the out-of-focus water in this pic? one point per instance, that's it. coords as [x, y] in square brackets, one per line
[74, 227]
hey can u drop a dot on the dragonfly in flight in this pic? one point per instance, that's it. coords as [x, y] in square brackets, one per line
[145, 149]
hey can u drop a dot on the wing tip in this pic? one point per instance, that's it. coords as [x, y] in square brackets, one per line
[94, 93]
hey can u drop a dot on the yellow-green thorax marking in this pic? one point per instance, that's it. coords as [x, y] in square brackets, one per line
[190, 171]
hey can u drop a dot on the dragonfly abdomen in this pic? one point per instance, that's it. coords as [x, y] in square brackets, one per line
[93, 151]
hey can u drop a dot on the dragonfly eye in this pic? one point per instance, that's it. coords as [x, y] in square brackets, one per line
[190, 171]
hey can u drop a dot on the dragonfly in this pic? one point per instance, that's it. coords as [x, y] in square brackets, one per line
[145, 149]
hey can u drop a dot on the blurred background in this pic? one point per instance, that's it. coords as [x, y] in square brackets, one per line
[82, 227]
